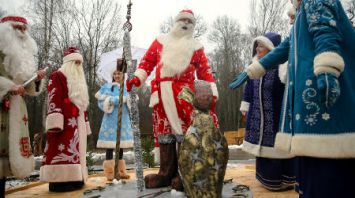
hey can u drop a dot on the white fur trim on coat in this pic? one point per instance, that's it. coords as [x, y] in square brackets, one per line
[244, 106]
[265, 41]
[108, 106]
[88, 128]
[21, 166]
[61, 173]
[142, 75]
[154, 99]
[283, 72]
[328, 62]
[255, 70]
[169, 105]
[265, 151]
[72, 57]
[214, 89]
[112, 144]
[55, 120]
[5, 86]
[325, 146]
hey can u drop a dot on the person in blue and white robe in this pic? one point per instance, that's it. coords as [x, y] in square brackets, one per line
[108, 101]
[318, 114]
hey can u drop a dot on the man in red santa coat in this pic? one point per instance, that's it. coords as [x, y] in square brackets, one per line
[17, 65]
[177, 56]
[64, 161]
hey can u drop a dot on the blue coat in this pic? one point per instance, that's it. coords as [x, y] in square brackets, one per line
[264, 98]
[108, 102]
[307, 127]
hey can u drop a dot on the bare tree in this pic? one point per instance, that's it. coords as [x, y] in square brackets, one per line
[266, 16]
[226, 61]
[200, 28]
[91, 25]
[350, 10]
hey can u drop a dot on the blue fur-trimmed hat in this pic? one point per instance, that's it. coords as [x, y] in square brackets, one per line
[270, 40]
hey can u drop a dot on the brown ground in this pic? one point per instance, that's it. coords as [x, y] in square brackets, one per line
[242, 174]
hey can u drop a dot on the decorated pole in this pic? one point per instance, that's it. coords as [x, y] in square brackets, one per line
[122, 67]
[133, 98]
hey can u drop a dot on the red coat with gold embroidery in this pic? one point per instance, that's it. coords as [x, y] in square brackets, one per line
[67, 127]
[172, 115]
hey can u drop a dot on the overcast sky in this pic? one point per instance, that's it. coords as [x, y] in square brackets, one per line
[147, 15]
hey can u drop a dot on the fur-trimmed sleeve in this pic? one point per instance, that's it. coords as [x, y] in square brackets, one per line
[104, 101]
[148, 62]
[204, 70]
[55, 118]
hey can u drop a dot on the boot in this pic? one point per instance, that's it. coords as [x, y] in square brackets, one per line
[122, 169]
[65, 186]
[2, 186]
[108, 167]
[168, 168]
[176, 184]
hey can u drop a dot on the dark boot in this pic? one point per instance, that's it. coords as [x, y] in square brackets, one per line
[176, 182]
[2, 186]
[65, 186]
[168, 168]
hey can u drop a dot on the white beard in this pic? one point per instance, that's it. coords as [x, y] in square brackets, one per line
[177, 50]
[76, 82]
[19, 50]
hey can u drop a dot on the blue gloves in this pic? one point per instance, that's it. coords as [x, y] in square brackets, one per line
[239, 80]
[329, 89]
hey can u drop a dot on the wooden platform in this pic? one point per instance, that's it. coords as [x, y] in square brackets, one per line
[235, 137]
[240, 173]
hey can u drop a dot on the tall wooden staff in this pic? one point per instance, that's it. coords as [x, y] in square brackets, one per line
[122, 67]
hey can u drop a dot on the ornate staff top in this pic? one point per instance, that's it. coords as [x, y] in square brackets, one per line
[128, 24]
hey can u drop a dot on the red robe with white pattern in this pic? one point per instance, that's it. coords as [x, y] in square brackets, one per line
[65, 153]
[172, 115]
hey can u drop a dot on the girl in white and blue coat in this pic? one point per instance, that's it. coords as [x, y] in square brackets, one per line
[108, 102]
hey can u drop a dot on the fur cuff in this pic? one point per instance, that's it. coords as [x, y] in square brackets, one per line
[214, 89]
[5, 86]
[283, 72]
[328, 62]
[154, 99]
[142, 75]
[88, 128]
[108, 105]
[255, 70]
[61, 173]
[244, 106]
[55, 121]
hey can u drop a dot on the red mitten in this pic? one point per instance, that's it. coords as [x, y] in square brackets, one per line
[135, 81]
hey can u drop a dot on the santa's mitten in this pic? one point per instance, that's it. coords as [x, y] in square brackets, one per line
[134, 81]
[329, 89]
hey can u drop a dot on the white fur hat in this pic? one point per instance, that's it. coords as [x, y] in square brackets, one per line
[72, 54]
[186, 14]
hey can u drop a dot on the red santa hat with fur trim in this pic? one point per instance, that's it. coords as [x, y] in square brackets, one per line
[72, 54]
[186, 14]
[16, 20]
